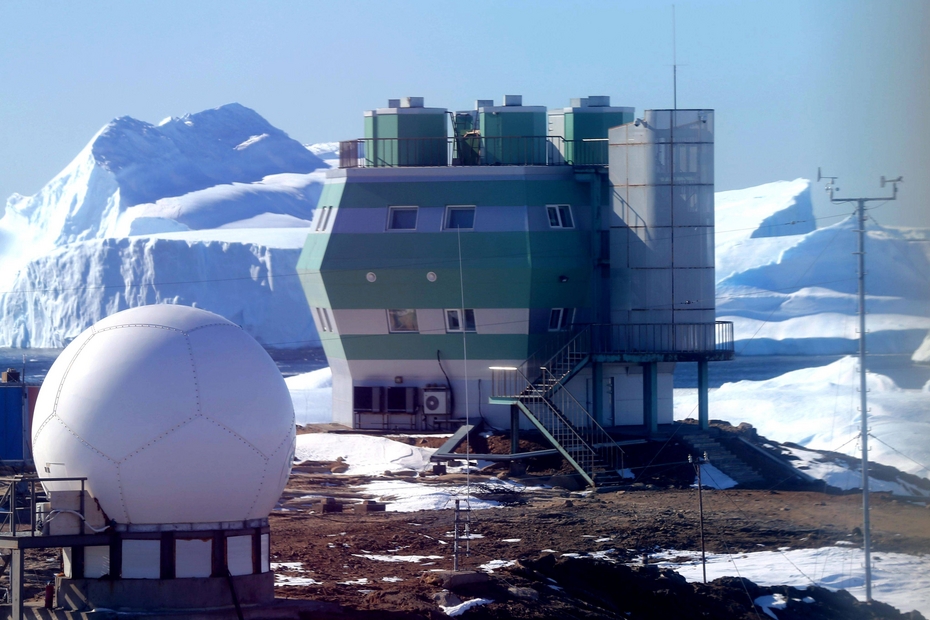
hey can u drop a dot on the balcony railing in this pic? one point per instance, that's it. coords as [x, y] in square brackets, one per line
[471, 151]
[676, 340]
[666, 338]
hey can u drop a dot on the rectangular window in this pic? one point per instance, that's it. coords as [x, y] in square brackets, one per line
[322, 315]
[459, 218]
[560, 319]
[455, 319]
[560, 216]
[403, 321]
[402, 218]
[322, 221]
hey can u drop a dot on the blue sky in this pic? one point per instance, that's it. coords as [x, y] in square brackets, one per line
[842, 84]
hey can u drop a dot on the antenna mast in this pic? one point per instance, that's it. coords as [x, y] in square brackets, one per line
[674, 63]
[864, 431]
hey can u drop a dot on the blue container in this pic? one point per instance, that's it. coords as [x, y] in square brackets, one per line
[11, 422]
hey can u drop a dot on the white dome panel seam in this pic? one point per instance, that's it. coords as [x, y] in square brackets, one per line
[157, 439]
[190, 355]
[61, 385]
[122, 498]
[152, 325]
[213, 325]
[236, 435]
[82, 440]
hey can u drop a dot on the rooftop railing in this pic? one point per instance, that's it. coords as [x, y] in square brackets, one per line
[471, 151]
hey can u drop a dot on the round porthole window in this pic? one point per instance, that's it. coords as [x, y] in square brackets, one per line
[431, 276]
[370, 276]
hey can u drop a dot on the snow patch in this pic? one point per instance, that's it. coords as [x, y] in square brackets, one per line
[458, 610]
[365, 455]
[898, 579]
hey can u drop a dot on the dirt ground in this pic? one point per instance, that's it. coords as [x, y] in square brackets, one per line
[536, 526]
[631, 521]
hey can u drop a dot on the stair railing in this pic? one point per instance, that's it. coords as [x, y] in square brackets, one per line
[587, 426]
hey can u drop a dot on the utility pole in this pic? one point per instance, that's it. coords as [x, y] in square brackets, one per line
[863, 408]
[697, 467]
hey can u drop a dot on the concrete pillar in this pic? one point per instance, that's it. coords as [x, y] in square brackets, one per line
[651, 396]
[703, 408]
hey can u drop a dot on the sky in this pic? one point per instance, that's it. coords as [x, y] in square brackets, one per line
[840, 84]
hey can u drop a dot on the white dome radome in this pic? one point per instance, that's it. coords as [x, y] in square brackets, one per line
[173, 414]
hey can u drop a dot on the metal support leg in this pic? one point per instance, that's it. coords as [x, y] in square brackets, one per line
[703, 408]
[651, 397]
[597, 389]
[17, 568]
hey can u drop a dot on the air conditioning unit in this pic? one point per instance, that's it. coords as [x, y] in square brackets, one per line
[436, 401]
[367, 399]
[401, 400]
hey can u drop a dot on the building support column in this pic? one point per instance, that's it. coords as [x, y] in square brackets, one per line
[651, 397]
[703, 408]
[597, 388]
[517, 467]
[17, 570]
[514, 429]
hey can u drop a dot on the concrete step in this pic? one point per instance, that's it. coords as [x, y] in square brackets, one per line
[724, 460]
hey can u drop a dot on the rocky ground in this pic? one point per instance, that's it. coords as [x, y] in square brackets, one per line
[524, 543]
[337, 555]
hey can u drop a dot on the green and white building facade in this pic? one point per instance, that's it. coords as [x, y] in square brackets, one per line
[510, 259]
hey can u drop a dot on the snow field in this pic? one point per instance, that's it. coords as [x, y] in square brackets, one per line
[312, 394]
[373, 456]
[817, 408]
[898, 579]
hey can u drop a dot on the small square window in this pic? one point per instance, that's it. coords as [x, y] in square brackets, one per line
[560, 216]
[461, 218]
[560, 319]
[454, 320]
[402, 218]
[403, 321]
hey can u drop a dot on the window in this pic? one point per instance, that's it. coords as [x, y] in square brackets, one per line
[322, 220]
[459, 218]
[454, 320]
[560, 216]
[560, 319]
[323, 319]
[402, 218]
[403, 321]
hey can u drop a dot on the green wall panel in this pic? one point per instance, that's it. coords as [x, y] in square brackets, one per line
[499, 270]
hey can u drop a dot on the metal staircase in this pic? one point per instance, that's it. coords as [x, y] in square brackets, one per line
[556, 413]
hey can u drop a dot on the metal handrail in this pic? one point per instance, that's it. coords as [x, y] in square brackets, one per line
[597, 429]
[471, 150]
[10, 494]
